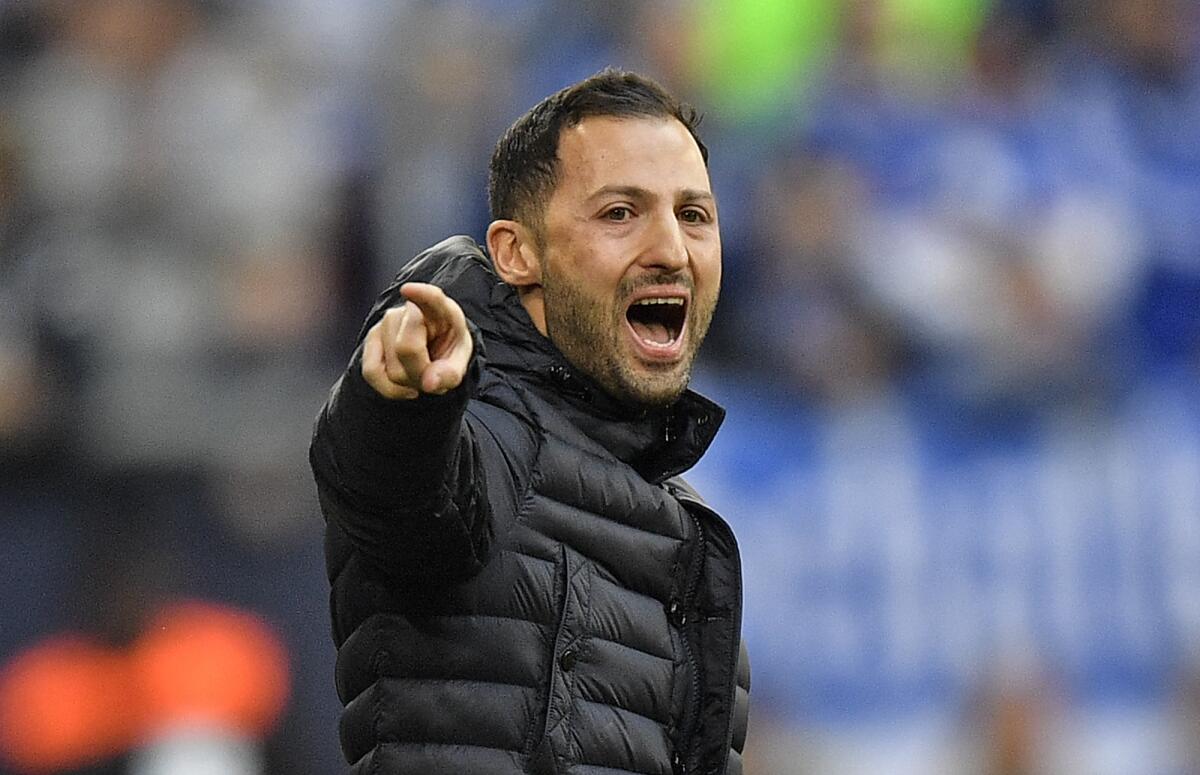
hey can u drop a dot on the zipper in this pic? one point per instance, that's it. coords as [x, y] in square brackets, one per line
[692, 711]
[697, 510]
[542, 750]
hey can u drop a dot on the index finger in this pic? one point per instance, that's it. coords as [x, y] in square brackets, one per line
[438, 308]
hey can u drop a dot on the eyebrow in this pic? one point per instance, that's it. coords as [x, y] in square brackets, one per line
[637, 192]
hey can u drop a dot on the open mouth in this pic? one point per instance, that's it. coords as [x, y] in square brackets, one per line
[657, 320]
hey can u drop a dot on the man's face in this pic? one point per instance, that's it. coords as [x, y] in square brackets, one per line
[631, 255]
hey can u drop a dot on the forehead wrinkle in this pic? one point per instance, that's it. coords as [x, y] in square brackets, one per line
[685, 195]
[632, 192]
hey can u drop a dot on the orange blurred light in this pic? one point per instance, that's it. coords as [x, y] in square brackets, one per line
[209, 664]
[68, 702]
[65, 703]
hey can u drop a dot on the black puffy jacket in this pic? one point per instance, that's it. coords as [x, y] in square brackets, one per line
[520, 581]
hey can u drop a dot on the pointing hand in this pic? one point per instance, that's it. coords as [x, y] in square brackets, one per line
[421, 346]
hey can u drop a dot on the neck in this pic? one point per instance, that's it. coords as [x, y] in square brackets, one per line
[534, 303]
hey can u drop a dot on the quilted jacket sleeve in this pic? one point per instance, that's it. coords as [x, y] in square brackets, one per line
[415, 486]
[403, 479]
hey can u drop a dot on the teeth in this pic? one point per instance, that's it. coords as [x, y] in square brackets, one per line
[672, 300]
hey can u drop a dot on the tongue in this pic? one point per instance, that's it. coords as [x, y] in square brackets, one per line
[652, 332]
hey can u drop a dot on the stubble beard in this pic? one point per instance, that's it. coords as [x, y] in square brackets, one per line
[589, 333]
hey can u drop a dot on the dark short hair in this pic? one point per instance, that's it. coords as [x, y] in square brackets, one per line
[524, 165]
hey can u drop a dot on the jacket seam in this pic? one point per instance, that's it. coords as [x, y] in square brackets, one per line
[376, 707]
[592, 636]
[432, 743]
[536, 474]
[439, 680]
[594, 514]
[623, 709]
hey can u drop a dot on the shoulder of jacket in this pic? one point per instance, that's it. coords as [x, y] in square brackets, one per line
[457, 265]
[681, 488]
[440, 264]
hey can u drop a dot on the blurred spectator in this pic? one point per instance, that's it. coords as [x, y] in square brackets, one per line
[182, 243]
[802, 317]
[1185, 731]
[27, 391]
[170, 204]
[1143, 82]
[1012, 724]
[434, 100]
[437, 109]
[964, 242]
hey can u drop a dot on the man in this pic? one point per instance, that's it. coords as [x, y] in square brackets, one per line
[521, 582]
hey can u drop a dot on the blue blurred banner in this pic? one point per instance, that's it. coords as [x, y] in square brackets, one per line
[897, 558]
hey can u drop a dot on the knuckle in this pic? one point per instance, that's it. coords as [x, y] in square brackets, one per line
[414, 318]
[396, 373]
[406, 347]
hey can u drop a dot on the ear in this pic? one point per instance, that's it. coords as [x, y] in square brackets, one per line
[514, 254]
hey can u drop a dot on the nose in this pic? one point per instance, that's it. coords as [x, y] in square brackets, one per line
[665, 248]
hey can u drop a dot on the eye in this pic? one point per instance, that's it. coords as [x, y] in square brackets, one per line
[618, 213]
[693, 215]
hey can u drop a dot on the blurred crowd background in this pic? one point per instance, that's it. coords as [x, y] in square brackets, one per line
[959, 340]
